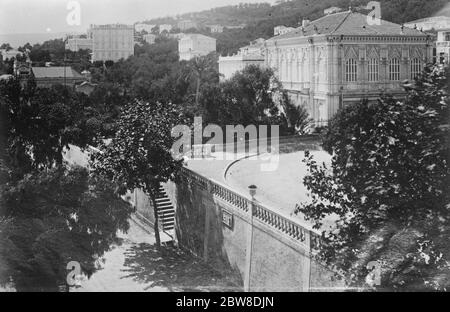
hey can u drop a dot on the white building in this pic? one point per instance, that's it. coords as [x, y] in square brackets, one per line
[331, 10]
[149, 38]
[216, 28]
[443, 46]
[77, 43]
[112, 42]
[7, 55]
[281, 30]
[193, 45]
[186, 24]
[165, 27]
[252, 54]
[340, 59]
[143, 27]
[429, 23]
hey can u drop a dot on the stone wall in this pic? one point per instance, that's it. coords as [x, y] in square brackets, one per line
[263, 250]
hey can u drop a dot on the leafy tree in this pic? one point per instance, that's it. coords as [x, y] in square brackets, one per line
[40, 123]
[139, 155]
[387, 191]
[6, 46]
[297, 117]
[202, 69]
[247, 98]
[52, 217]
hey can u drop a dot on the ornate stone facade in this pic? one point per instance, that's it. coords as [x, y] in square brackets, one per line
[340, 58]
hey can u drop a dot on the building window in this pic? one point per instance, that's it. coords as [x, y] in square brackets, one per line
[447, 36]
[394, 69]
[373, 70]
[351, 69]
[416, 68]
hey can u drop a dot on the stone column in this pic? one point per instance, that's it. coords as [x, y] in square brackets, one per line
[249, 245]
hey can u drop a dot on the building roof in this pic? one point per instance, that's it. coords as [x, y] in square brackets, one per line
[55, 72]
[192, 36]
[430, 19]
[349, 23]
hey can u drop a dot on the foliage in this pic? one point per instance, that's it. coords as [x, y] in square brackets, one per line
[52, 217]
[247, 98]
[139, 155]
[40, 123]
[388, 187]
[297, 117]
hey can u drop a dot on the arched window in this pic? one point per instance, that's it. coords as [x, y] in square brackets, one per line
[394, 69]
[351, 70]
[416, 67]
[372, 69]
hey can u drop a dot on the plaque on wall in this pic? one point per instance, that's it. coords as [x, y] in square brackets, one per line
[227, 219]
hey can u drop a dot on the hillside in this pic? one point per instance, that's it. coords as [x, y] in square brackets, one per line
[261, 18]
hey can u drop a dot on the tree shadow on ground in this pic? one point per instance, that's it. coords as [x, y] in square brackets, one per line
[172, 268]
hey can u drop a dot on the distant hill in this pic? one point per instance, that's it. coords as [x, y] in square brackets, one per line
[261, 18]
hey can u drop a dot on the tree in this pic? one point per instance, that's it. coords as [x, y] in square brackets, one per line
[298, 120]
[201, 68]
[139, 155]
[388, 191]
[52, 217]
[250, 97]
[41, 122]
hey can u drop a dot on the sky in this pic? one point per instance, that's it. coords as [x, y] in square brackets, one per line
[50, 16]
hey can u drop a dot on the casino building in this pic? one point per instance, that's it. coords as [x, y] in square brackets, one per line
[344, 57]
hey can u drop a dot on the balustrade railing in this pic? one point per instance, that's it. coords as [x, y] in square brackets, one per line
[286, 225]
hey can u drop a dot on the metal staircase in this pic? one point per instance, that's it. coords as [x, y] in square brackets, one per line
[166, 212]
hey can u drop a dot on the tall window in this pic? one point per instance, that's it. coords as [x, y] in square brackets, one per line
[351, 69]
[373, 69]
[394, 69]
[416, 68]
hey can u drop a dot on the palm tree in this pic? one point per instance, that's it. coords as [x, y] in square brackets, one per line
[201, 68]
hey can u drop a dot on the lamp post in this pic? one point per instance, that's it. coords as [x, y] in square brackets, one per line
[249, 245]
[252, 189]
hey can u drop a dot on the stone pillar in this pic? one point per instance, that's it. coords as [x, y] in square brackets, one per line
[207, 222]
[249, 248]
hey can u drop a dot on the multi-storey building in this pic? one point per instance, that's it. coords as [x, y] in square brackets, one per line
[112, 42]
[149, 38]
[443, 46]
[77, 43]
[192, 45]
[186, 24]
[331, 10]
[143, 27]
[165, 28]
[344, 57]
[430, 23]
[281, 30]
[216, 28]
[252, 54]
[9, 54]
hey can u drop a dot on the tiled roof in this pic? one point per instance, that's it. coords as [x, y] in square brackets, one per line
[349, 23]
[55, 72]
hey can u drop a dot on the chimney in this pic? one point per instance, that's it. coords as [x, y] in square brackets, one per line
[305, 22]
[316, 30]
